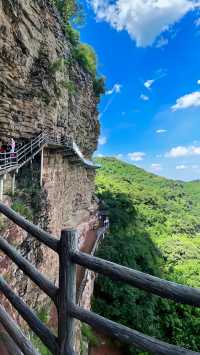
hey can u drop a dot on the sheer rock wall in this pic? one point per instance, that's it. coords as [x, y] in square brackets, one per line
[36, 97]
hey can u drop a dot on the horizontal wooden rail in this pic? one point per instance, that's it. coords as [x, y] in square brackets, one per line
[127, 335]
[64, 297]
[35, 231]
[35, 324]
[29, 269]
[165, 289]
[16, 334]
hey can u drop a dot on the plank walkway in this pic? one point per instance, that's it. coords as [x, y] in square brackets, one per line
[11, 162]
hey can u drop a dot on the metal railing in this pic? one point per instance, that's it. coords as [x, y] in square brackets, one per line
[64, 296]
[12, 161]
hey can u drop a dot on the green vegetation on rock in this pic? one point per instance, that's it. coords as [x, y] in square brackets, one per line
[155, 228]
[19, 207]
[87, 58]
[69, 10]
[72, 13]
[89, 334]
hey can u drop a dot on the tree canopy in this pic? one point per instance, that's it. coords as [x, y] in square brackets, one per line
[155, 228]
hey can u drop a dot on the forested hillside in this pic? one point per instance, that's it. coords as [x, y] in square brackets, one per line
[155, 228]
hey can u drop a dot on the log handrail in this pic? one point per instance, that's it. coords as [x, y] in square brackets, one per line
[152, 284]
[127, 335]
[29, 269]
[65, 295]
[29, 316]
[16, 334]
[29, 227]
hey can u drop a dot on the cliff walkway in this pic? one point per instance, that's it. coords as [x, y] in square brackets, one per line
[64, 296]
[10, 162]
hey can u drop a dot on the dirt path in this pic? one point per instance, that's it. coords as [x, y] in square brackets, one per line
[105, 348]
[86, 248]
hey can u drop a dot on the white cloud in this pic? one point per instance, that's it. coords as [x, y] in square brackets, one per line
[116, 89]
[159, 131]
[181, 167]
[195, 151]
[187, 101]
[99, 155]
[136, 156]
[198, 81]
[159, 74]
[197, 22]
[102, 140]
[182, 151]
[158, 155]
[156, 166]
[144, 97]
[144, 20]
[161, 42]
[149, 83]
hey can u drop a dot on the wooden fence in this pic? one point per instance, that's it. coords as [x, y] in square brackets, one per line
[64, 296]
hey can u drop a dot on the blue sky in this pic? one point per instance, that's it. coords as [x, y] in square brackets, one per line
[149, 51]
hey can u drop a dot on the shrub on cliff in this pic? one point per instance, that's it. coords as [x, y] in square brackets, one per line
[86, 56]
[69, 10]
[99, 86]
[72, 35]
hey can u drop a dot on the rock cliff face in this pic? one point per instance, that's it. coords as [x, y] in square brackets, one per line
[35, 97]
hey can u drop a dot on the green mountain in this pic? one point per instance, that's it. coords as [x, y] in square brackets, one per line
[155, 228]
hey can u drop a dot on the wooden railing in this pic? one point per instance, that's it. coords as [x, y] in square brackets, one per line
[64, 296]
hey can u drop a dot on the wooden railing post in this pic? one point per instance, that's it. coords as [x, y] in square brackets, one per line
[67, 292]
